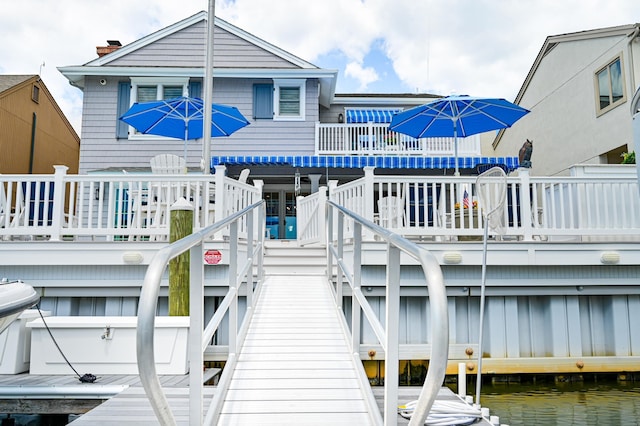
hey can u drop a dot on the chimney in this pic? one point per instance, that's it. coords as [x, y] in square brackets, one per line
[112, 45]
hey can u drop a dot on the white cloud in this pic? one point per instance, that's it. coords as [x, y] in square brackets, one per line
[480, 47]
[365, 76]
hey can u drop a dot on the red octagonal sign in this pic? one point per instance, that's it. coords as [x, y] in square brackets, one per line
[212, 257]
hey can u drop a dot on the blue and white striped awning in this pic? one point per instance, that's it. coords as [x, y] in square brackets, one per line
[370, 115]
[353, 161]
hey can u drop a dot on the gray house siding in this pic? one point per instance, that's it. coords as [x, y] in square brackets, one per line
[186, 48]
[101, 149]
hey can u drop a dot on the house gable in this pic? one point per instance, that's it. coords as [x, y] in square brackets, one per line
[183, 44]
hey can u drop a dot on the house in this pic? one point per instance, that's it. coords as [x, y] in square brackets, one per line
[579, 91]
[301, 133]
[562, 293]
[34, 133]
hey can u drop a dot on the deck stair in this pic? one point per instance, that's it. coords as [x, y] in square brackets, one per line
[295, 366]
[283, 257]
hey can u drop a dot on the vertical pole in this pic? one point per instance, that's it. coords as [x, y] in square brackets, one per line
[196, 356]
[391, 344]
[233, 283]
[181, 225]
[482, 302]
[208, 90]
[250, 249]
[357, 282]
[58, 201]
[462, 379]
[339, 273]
[329, 237]
[368, 198]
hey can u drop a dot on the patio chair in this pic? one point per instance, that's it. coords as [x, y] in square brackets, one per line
[168, 164]
[391, 210]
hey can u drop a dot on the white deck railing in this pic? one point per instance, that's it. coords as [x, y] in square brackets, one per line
[377, 139]
[124, 207]
[540, 208]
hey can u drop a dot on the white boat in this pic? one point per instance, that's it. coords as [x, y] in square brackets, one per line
[15, 297]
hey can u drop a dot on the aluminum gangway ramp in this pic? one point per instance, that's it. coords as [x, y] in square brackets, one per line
[294, 367]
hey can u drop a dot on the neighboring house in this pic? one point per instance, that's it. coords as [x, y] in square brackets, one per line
[579, 91]
[301, 133]
[34, 133]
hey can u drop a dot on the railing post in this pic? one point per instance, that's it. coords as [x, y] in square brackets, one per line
[357, 282]
[220, 173]
[58, 202]
[233, 283]
[220, 199]
[340, 242]
[368, 197]
[329, 232]
[526, 215]
[250, 250]
[322, 206]
[391, 345]
[196, 320]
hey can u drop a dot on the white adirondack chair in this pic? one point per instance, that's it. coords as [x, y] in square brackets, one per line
[168, 164]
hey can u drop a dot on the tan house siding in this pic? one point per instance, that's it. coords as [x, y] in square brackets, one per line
[54, 142]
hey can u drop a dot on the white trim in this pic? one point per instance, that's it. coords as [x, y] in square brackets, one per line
[159, 82]
[301, 85]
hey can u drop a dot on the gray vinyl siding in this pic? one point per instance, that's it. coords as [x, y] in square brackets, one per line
[186, 48]
[100, 149]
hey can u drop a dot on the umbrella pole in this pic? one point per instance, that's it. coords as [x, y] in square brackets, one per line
[455, 146]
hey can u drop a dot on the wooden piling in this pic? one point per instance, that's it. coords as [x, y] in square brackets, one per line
[181, 225]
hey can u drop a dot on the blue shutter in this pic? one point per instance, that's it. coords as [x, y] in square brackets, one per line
[263, 101]
[195, 89]
[124, 93]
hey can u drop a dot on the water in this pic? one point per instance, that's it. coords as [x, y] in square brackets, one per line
[594, 403]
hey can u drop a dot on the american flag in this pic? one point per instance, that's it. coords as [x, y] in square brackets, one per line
[465, 199]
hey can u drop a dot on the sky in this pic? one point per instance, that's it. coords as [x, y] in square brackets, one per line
[442, 47]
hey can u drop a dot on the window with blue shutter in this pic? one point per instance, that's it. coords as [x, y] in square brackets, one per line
[124, 91]
[263, 101]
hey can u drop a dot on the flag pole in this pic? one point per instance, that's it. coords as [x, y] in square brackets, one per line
[208, 91]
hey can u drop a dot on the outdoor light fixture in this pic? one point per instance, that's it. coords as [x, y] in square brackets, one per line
[341, 118]
[452, 257]
[610, 257]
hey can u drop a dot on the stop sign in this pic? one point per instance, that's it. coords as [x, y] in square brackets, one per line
[212, 257]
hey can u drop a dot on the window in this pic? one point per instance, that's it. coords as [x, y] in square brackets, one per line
[289, 99]
[610, 86]
[148, 89]
[35, 94]
[154, 89]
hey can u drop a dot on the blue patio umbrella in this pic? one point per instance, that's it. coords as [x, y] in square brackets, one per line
[182, 118]
[455, 116]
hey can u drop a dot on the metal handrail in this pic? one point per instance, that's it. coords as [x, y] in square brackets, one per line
[389, 337]
[149, 301]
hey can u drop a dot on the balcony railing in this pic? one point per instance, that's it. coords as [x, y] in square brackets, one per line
[136, 207]
[126, 207]
[536, 208]
[377, 139]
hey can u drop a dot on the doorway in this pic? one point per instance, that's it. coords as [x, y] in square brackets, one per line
[281, 214]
